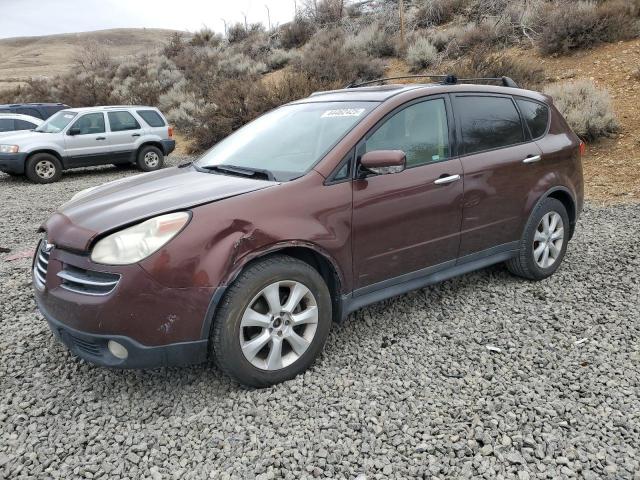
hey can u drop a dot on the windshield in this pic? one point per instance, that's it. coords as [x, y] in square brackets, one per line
[287, 141]
[57, 122]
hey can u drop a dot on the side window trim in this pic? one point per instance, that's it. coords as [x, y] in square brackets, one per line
[347, 160]
[459, 149]
[451, 133]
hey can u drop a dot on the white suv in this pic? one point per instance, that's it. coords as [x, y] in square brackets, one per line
[82, 137]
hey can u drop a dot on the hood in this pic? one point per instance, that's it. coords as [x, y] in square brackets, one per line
[133, 199]
[17, 137]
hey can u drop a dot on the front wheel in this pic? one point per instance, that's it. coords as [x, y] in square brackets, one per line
[43, 168]
[150, 158]
[544, 242]
[272, 322]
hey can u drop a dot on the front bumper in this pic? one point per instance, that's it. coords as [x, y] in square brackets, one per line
[93, 348]
[159, 326]
[168, 146]
[13, 162]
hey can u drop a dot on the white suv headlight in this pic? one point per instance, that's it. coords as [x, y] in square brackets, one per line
[138, 242]
[9, 148]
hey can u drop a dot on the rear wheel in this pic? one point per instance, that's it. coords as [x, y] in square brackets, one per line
[43, 168]
[150, 158]
[544, 242]
[272, 322]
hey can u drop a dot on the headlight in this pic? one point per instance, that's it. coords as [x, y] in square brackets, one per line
[135, 243]
[9, 148]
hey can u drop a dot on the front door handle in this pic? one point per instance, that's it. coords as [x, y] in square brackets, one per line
[101, 138]
[532, 159]
[135, 135]
[447, 179]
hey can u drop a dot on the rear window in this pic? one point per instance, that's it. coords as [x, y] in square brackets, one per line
[32, 112]
[152, 118]
[536, 116]
[121, 121]
[6, 124]
[488, 123]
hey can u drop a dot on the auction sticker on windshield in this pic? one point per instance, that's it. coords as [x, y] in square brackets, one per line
[344, 112]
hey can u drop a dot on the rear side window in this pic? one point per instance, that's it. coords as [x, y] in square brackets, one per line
[23, 125]
[49, 110]
[536, 116]
[6, 125]
[152, 118]
[488, 123]
[420, 131]
[121, 121]
[32, 112]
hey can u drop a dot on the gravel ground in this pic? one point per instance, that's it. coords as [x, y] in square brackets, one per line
[482, 376]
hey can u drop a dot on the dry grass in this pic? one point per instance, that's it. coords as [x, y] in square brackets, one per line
[25, 57]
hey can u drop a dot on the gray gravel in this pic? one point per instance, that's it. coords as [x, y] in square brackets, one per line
[483, 376]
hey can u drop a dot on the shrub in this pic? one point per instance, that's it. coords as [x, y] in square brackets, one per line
[205, 37]
[421, 54]
[436, 12]
[371, 40]
[239, 32]
[568, 26]
[586, 108]
[296, 33]
[280, 58]
[325, 58]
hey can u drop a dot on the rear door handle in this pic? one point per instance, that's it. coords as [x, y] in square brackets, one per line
[135, 134]
[448, 179]
[101, 138]
[532, 158]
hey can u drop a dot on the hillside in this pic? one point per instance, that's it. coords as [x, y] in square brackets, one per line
[47, 56]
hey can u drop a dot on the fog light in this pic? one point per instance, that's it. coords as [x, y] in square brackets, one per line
[117, 350]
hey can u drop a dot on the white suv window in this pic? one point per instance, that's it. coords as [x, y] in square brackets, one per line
[90, 123]
[122, 121]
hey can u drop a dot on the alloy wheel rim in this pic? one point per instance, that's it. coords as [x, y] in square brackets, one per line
[151, 159]
[548, 240]
[278, 325]
[45, 169]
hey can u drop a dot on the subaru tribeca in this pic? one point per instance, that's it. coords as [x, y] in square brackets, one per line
[312, 211]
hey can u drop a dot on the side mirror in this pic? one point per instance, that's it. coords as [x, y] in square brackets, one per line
[73, 131]
[384, 162]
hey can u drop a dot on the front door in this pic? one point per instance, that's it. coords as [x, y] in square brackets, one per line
[408, 224]
[86, 141]
[501, 168]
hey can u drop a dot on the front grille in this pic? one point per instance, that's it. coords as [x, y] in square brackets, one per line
[41, 264]
[79, 280]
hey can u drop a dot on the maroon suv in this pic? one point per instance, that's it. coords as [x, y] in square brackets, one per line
[313, 210]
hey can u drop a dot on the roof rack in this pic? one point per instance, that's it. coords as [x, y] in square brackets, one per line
[444, 79]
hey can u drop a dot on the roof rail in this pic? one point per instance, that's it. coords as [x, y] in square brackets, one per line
[444, 79]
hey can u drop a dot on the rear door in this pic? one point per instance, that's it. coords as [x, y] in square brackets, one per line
[124, 131]
[501, 164]
[407, 224]
[89, 145]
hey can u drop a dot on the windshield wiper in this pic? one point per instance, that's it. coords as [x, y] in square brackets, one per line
[243, 171]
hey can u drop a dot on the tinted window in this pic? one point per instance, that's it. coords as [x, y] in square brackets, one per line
[6, 125]
[121, 121]
[536, 116]
[47, 111]
[29, 111]
[152, 118]
[488, 122]
[90, 123]
[419, 130]
[23, 125]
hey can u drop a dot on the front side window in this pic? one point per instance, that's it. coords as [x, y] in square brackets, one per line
[536, 116]
[122, 121]
[487, 123]
[90, 123]
[6, 124]
[420, 131]
[288, 141]
[57, 122]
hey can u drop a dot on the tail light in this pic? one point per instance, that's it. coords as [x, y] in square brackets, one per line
[583, 148]
[170, 132]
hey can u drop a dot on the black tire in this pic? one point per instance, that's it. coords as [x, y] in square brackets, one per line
[43, 168]
[150, 158]
[225, 336]
[525, 264]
